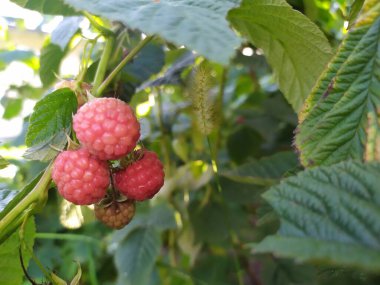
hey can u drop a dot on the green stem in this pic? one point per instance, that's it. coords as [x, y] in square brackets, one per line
[214, 164]
[103, 30]
[102, 67]
[70, 237]
[37, 194]
[99, 90]
[219, 105]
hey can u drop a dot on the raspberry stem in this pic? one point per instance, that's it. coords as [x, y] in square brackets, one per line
[102, 67]
[99, 90]
[36, 195]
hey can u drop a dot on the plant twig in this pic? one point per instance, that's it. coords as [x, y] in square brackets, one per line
[102, 67]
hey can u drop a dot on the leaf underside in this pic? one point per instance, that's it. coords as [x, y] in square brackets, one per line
[199, 25]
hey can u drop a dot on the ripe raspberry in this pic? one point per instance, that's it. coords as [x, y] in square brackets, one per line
[143, 178]
[107, 127]
[80, 178]
[117, 215]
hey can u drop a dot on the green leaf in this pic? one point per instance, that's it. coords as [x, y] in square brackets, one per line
[340, 119]
[51, 115]
[136, 256]
[149, 61]
[50, 60]
[10, 267]
[3, 163]
[354, 12]
[329, 215]
[266, 171]
[63, 33]
[12, 106]
[295, 47]
[56, 7]
[199, 25]
[48, 149]
[6, 57]
[208, 222]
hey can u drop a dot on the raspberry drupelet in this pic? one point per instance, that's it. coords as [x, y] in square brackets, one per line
[80, 178]
[107, 127]
[143, 178]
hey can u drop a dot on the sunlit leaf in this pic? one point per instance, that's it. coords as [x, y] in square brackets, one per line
[294, 46]
[340, 119]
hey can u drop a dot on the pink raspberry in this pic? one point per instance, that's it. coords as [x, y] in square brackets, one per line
[143, 178]
[80, 178]
[107, 127]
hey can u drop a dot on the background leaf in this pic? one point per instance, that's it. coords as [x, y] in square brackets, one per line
[51, 115]
[199, 25]
[7, 56]
[340, 118]
[50, 60]
[10, 267]
[266, 171]
[136, 256]
[295, 47]
[66, 29]
[3, 162]
[330, 215]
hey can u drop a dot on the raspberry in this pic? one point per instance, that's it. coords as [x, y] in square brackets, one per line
[143, 178]
[117, 215]
[80, 178]
[107, 127]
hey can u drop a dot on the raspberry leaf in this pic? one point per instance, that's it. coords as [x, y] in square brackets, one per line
[294, 46]
[330, 215]
[57, 7]
[199, 25]
[51, 115]
[340, 119]
[10, 267]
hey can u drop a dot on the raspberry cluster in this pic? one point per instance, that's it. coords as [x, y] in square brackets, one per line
[108, 129]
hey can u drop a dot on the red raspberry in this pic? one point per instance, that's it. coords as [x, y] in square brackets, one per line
[107, 127]
[80, 178]
[143, 178]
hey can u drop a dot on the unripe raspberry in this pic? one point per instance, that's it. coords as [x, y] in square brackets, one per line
[80, 178]
[107, 127]
[116, 215]
[143, 178]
